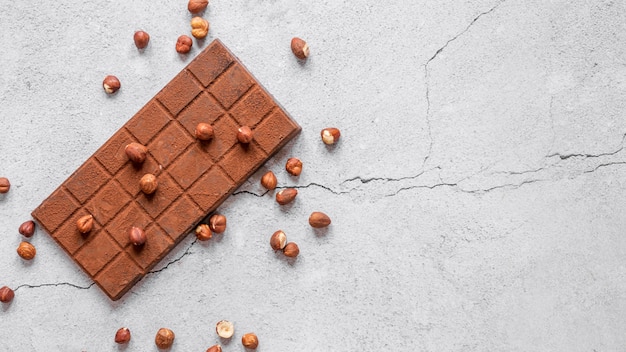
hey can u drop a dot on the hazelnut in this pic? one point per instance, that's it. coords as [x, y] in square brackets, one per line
[291, 250]
[137, 236]
[183, 44]
[269, 181]
[164, 338]
[26, 251]
[330, 135]
[122, 336]
[244, 135]
[299, 48]
[6, 294]
[286, 196]
[84, 223]
[319, 219]
[294, 166]
[136, 152]
[278, 240]
[27, 229]
[225, 329]
[217, 223]
[5, 185]
[250, 340]
[141, 39]
[214, 348]
[204, 131]
[203, 232]
[148, 183]
[111, 84]
[199, 27]
[195, 6]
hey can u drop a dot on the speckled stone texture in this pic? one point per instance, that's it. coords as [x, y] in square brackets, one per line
[476, 194]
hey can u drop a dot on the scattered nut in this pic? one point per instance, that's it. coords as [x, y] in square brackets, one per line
[136, 152]
[214, 348]
[278, 240]
[111, 84]
[141, 39]
[84, 223]
[244, 135]
[5, 185]
[148, 183]
[299, 48]
[225, 329]
[204, 131]
[294, 166]
[286, 196]
[195, 6]
[164, 338]
[203, 232]
[291, 250]
[269, 181]
[122, 336]
[319, 219]
[27, 229]
[217, 223]
[6, 294]
[137, 236]
[330, 135]
[199, 27]
[183, 44]
[250, 340]
[26, 251]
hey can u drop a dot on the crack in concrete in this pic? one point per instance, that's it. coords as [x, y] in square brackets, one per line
[604, 165]
[56, 285]
[187, 252]
[585, 156]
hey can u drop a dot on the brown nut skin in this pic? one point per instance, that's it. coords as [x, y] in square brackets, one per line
[164, 338]
[122, 336]
[214, 348]
[111, 84]
[196, 6]
[330, 135]
[286, 196]
[5, 185]
[141, 39]
[148, 183]
[203, 232]
[137, 236]
[84, 224]
[319, 220]
[199, 27]
[244, 135]
[27, 229]
[291, 250]
[250, 340]
[26, 250]
[299, 48]
[269, 181]
[6, 294]
[183, 44]
[294, 166]
[204, 131]
[217, 223]
[225, 329]
[136, 152]
[278, 240]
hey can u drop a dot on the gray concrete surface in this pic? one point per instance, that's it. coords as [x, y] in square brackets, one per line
[477, 194]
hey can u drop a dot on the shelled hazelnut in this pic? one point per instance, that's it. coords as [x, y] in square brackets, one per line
[5, 185]
[122, 336]
[291, 250]
[244, 135]
[299, 48]
[84, 224]
[250, 340]
[199, 27]
[111, 84]
[141, 39]
[225, 329]
[26, 250]
[137, 236]
[269, 181]
[286, 196]
[183, 44]
[204, 131]
[27, 229]
[148, 183]
[278, 240]
[294, 166]
[217, 223]
[319, 219]
[196, 6]
[330, 135]
[214, 348]
[6, 294]
[164, 338]
[203, 232]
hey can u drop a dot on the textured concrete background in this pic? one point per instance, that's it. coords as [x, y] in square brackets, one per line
[477, 194]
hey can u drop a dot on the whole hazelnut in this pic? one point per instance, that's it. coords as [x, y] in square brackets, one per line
[199, 27]
[217, 223]
[6, 294]
[148, 183]
[299, 48]
[250, 340]
[136, 152]
[319, 219]
[5, 185]
[27, 229]
[183, 44]
[141, 39]
[286, 196]
[122, 336]
[195, 6]
[278, 240]
[291, 250]
[137, 236]
[214, 348]
[164, 338]
[203, 232]
[225, 329]
[244, 135]
[330, 135]
[204, 131]
[84, 223]
[111, 84]
[294, 166]
[26, 251]
[269, 181]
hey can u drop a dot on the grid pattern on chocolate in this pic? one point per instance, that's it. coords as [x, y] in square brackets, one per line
[194, 177]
